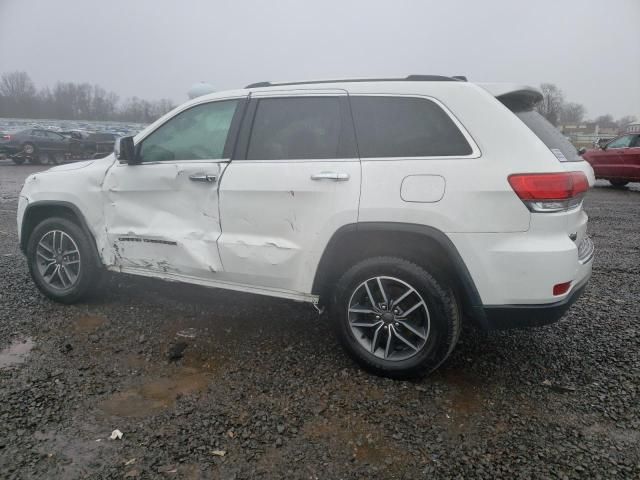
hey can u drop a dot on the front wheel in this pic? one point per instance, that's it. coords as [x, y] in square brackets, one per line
[394, 318]
[61, 260]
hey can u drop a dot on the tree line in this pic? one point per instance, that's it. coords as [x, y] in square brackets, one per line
[19, 98]
[555, 109]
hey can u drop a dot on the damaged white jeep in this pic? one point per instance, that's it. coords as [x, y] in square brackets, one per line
[402, 205]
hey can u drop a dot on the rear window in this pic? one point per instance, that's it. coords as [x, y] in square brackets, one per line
[296, 128]
[405, 127]
[561, 147]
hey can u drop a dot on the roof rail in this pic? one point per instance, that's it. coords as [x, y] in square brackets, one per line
[410, 78]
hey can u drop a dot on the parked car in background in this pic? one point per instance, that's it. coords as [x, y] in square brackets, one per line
[37, 146]
[93, 144]
[617, 161]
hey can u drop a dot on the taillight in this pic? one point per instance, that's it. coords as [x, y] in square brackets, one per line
[550, 192]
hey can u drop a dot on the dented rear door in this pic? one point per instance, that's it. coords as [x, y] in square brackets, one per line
[161, 215]
[295, 179]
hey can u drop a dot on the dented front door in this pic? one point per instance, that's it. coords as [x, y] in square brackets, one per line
[161, 216]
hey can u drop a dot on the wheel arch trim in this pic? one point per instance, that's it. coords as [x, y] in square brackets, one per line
[42, 204]
[468, 286]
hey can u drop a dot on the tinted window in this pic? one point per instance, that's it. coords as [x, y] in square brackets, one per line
[562, 148]
[295, 128]
[622, 142]
[195, 134]
[405, 127]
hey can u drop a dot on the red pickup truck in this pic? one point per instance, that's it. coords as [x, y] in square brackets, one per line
[618, 161]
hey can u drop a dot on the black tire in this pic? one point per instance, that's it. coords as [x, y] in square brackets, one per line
[443, 315]
[31, 152]
[618, 183]
[90, 270]
[18, 160]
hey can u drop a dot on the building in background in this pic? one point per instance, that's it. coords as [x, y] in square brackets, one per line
[633, 127]
[586, 134]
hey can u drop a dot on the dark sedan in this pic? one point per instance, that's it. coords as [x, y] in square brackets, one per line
[37, 146]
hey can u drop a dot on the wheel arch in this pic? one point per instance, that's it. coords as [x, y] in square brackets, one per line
[41, 210]
[417, 243]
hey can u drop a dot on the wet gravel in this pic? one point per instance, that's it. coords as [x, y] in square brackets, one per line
[215, 384]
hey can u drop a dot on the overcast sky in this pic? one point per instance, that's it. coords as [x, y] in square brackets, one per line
[159, 48]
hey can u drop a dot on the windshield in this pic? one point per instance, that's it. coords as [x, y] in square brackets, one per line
[562, 148]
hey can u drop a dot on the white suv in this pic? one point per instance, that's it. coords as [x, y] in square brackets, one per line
[403, 206]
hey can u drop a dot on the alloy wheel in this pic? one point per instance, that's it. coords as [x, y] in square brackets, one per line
[58, 260]
[389, 318]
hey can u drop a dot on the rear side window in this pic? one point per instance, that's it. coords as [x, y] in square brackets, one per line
[295, 128]
[561, 147]
[405, 127]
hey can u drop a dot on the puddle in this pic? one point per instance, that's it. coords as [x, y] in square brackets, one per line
[16, 353]
[155, 395]
[88, 323]
[465, 398]
[358, 439]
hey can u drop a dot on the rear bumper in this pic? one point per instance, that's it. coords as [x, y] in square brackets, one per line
[504, 317]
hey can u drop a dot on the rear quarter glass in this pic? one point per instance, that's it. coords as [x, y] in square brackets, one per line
[562, 148]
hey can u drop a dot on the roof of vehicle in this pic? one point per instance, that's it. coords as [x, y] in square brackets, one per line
[408, 78]
[412, 84]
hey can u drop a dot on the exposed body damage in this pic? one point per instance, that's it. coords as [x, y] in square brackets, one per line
[179, 234]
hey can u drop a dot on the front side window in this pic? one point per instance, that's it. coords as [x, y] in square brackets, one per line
[295, 128]
[405, 127]
[198, 133]
[622, 142]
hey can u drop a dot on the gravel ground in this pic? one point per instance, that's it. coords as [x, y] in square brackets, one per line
[215, 384]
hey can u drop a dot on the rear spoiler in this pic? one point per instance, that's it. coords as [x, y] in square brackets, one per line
[515, 97]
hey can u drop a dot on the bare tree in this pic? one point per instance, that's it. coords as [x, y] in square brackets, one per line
[572, 113]
[550, 106]
[18, 93]
[626, 120]
[72, 101]
[605, 121]
[17, 85]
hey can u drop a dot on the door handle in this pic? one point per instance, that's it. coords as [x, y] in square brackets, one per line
[203, 177]
[335, 176]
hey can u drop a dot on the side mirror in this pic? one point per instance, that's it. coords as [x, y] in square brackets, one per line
[125, 150]
[582, 151]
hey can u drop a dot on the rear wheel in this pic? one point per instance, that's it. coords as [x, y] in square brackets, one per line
[618, 183]
[61, 260]
[394, 318]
